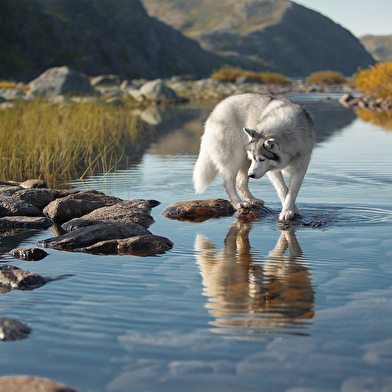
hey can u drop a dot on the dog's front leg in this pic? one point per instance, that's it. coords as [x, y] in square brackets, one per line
[290, 210]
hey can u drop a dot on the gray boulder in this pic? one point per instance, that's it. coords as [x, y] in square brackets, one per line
[158, 92]
[60, 80]
[106, 80]
[11, 329]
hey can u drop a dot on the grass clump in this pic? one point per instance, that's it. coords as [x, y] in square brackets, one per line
[326, 78]
[231, 74]
[59, 143]
[375, 81]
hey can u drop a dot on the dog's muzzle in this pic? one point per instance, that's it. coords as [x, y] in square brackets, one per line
[252, 176]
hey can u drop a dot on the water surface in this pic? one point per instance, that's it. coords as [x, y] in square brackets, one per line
[234, 306]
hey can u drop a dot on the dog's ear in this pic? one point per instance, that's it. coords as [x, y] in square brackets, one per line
[251, 133]
[271, 144]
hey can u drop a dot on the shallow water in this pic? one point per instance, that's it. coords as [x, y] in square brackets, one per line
[233, 307]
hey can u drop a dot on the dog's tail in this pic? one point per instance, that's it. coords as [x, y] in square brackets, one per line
[204, 172]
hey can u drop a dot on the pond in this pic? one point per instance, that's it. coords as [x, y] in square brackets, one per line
[233, 306]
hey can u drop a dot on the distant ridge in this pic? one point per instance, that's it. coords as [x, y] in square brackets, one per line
[380, 46]
[279, 34]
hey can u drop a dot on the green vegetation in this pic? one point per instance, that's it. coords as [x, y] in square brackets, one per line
[62, 142]
[232, 74]
[375, 81]
[326, 77]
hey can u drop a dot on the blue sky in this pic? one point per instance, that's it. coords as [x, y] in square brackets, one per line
[361, 17]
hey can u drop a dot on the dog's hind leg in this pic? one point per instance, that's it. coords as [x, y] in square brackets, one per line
[242, 183]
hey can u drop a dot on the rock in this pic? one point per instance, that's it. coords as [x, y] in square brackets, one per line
[106, 80]
[127, 211]
[38, 197]
[25, 222]
[31, 384]
[77, 204]
[157, 91]
[29, 254]
[60, 80]
[199, 210]
[144, 245]
[10, 94]
[252, 213]
[34, 183]
[11, 206]
[115, 101]
[90, 235]
[15, 278]
[11, 329]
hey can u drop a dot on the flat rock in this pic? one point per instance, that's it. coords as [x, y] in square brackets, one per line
[29, 254]
[78, 204]
[31, 384]
[38, 197]
[90, 235]
[144, 245]
[11, 329]
[199, 210]
[12, 277]
[25, 222]
[127, 211]
[11, 206]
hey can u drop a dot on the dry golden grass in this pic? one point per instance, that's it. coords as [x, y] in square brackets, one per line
[326, 78]
[59, 143]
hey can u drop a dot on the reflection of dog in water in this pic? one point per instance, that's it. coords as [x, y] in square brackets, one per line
[275, 294]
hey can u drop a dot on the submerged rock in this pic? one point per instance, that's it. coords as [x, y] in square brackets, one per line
[11, 329]
[29, 254]
[31, 384]
[15, 278]
[199, 210]
[252, 213]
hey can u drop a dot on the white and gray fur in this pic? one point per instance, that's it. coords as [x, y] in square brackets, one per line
[248, 135]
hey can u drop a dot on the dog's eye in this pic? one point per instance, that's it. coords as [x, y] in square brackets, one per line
[261, 159]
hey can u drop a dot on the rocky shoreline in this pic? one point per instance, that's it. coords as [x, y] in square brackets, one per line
[62, 85]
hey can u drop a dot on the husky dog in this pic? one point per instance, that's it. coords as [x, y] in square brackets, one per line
[249, 135]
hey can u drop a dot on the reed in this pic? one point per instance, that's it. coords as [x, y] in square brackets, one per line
[59, 143]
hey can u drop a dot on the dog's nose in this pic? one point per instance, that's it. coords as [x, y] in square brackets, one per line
[251, 176]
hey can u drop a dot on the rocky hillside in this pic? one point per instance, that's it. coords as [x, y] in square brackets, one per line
[277, 34]
[380, 46]
[94, 37]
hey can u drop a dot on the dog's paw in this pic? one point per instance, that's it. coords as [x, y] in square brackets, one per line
[256, 202]
[288, 214]
[242, 204]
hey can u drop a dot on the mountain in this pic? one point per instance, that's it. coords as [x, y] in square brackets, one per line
[380, 46]
[277, 34]
[94, 37]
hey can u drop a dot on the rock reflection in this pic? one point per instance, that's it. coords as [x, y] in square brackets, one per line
[270, 297]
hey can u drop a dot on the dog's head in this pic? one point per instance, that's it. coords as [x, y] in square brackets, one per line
[264, 154]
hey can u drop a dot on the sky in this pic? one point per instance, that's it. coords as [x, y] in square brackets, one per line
[361, 17]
